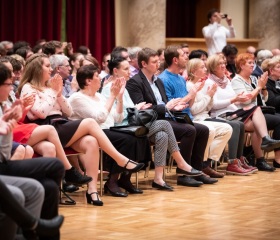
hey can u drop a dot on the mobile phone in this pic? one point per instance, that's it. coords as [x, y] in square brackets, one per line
[224, 16]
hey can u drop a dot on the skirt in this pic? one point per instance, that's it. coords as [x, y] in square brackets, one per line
[65, 128]
[135, 148]
[22, 132]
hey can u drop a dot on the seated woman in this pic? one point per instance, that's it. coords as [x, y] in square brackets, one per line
[219, 133]
[88, 103]
[272, 66]
[160, 132]
[43, 139]
[242, 83]
[225, 106]
[84, 136]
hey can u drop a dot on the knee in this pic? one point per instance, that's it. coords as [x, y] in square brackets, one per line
[19, 153]
[161, 137]
[29, 152]
[48, 150]
[90, 122]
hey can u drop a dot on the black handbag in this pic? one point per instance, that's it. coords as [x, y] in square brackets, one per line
[137, 131]
[180, 117]
[268, 110]
[137, 117]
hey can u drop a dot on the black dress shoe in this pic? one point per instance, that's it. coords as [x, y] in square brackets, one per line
[188, 181]
[129, 187]
[49, 227]
[264, 166]
[165, 186]
[114, 193]
[205, 179]
[73, 176]
[193, 172]
[268, 144]
[276, 164]
[69, 187]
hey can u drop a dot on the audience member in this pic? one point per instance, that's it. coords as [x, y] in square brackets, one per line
[216, 34]
[89, 103]
[219, 133]
[105, 70]
[242, 83]
[199, 53]
[84, 50]
[272, 66]
[52, 47]
[51, 108]
[224, 101]
[21, 201]
[132, 53]
[145, 87]
[230, 52]
[275, 51]
[261, 56]
[160, 132]
[251, 49]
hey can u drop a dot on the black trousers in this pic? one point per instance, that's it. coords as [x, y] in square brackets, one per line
[48, 171]
[273, 123]
[193, 141]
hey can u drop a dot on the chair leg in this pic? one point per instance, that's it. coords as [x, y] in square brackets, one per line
[137, 179]
[147, 170]
[101, 172]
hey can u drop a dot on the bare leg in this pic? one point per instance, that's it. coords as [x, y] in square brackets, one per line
[19, 153]
[45, 149]
[277, 156]
[158, 175]
[28, 152]
[90, 127]
[48, 133]
[259, 123]
[90, 147]
[255, 138]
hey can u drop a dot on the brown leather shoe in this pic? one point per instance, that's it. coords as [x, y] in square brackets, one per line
[212, 173]
[245, 165]
[235, 168]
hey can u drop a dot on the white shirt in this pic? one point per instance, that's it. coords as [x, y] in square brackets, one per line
[85, 106]
[215, 35]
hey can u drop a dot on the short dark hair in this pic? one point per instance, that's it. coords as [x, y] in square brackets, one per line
[5, 73]
[197, 54]
[170, 52]
[116, 52]
[115, 63]
[229, 49]
[17, 66]
[84, 73]
[83, 49]
[49, 47]
[211, 13]
[144, 55]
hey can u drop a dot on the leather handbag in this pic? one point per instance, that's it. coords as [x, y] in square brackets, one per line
[268, 110]
[137, 117]
[180, 117]
[137, 131]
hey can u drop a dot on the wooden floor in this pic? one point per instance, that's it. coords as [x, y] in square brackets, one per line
[237, 207]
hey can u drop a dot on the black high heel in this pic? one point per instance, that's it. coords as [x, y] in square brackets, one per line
[137, 168]
[97, 202]
[114, 194]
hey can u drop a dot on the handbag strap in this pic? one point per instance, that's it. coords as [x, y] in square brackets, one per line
[170, 114]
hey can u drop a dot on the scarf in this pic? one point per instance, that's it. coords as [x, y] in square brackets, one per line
[221, 82]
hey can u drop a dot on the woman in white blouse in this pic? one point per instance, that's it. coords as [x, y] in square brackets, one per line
[160, 132]
[51, 107]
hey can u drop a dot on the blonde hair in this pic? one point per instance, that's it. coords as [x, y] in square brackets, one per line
[192, 65]
[33, 71]
[213, 62]
[269, 63]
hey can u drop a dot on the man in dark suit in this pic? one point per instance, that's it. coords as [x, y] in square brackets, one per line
[145, 87]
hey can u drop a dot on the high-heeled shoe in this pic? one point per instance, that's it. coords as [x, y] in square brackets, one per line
[97, 202]
[137, 168]
[114, 194]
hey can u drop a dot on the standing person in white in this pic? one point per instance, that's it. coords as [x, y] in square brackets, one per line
[216, 34]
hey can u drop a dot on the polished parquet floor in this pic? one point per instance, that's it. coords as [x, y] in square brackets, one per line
[237, 207]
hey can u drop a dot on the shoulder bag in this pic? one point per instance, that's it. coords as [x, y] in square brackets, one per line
[144, 118]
